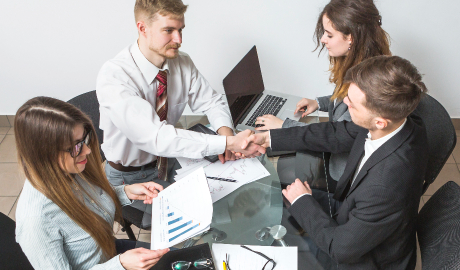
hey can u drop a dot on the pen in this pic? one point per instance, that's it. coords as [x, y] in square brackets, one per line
[222, 179]
[225, 266]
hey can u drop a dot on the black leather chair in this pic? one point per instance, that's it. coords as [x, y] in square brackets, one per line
[442, 137]
[11, 255]
[88, 103]
[438, 229]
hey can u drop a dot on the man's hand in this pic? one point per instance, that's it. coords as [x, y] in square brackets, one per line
[235, 144]
[296, 189]
[143, 191]
[262, 139]
[306, 106]
[227, 155]
[141, 258]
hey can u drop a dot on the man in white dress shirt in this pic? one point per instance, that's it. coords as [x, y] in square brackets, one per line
[152, 76]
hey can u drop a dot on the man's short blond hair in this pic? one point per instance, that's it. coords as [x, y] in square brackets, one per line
[147, 9]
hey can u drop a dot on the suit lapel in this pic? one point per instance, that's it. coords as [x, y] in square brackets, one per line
[383, 151]
[339, 110]
[355, 156]
[330, 111]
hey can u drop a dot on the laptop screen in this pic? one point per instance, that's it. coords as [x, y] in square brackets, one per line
[243, 84]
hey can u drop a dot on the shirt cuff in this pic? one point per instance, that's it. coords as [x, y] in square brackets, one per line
[269, 139]
[222, 122]
[299, 198]
[121, 194]
[319, 104]
[216, 144]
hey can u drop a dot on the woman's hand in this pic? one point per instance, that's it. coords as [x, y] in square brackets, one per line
[268, 122]
[307, 106]
[143, 191]
[141, 258]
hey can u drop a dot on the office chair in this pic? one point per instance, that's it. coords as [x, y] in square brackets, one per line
[438, 229]
[441, 136]
[88, 103]
[11, 255]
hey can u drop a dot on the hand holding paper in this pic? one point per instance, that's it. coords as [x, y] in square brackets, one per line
[143, 191]
[181, 211]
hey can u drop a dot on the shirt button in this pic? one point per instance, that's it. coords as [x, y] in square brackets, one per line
[92, 201]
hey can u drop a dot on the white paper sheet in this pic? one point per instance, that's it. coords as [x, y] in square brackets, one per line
[181, 211]
[242, 170]
[243, 259]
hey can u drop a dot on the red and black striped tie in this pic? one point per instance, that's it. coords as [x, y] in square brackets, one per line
[162, 112]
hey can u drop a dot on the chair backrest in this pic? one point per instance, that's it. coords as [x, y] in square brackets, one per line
[11, 255]
[441, 136]
[89, 104]
[438, 229]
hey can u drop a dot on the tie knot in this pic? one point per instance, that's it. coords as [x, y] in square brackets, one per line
[162, 77]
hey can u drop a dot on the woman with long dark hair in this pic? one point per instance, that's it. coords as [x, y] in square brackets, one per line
[351, 31]
[67, 208]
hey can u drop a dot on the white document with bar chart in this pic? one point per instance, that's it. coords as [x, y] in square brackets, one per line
[182, 210]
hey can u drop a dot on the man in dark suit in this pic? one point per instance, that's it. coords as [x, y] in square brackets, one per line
[369, 223]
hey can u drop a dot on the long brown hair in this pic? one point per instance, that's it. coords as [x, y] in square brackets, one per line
[362, 20]
[43, 128]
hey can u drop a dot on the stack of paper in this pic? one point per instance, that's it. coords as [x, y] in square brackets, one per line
[181, 211]
[242, 170]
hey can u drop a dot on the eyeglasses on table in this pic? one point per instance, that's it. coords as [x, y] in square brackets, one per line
[198, 264]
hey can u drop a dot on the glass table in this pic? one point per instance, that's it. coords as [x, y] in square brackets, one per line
[241, 214]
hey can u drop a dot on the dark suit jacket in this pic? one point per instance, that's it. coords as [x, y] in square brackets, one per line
[374, 228]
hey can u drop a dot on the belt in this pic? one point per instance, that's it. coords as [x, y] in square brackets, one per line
[122, 168]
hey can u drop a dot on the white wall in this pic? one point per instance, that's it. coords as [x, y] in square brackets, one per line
[55, 48]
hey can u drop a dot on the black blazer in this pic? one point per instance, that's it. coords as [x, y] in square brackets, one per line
[374, 228]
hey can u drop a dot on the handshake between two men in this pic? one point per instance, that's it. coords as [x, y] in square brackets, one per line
[247, 144]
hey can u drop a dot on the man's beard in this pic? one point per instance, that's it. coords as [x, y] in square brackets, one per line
[165, 49]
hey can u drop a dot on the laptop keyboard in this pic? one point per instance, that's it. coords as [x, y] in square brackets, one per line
[270, 105]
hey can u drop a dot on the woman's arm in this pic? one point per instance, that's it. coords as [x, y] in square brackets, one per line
[43, 244]
[323, 103]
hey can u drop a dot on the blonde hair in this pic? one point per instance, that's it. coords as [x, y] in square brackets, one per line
[43, 127]
[147, 9]
[361, 20]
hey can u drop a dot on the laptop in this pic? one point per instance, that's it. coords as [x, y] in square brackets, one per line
[248, 98]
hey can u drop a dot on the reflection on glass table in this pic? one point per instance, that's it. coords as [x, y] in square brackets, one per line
[250, 215]
[240, 215]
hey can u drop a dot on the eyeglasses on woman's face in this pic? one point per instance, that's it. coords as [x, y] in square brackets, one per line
[198, 264]
[76, 150]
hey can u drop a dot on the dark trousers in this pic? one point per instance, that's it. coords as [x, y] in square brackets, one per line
[123, 245]
[306, 246]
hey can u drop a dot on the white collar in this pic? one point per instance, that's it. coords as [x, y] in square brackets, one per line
[378, 142]
[148, 70]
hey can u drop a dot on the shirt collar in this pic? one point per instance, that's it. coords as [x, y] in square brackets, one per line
[385, 138]
[148, 70]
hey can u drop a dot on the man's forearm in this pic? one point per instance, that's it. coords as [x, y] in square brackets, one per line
[225, 131]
